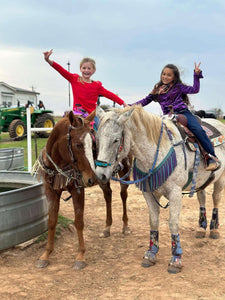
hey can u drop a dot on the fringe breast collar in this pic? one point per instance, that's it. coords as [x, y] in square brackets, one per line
[159, 175]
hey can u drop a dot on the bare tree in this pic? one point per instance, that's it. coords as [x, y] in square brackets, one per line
[218, 113]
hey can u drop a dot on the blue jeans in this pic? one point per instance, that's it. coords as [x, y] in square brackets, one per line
[96, 124]
[195, 127]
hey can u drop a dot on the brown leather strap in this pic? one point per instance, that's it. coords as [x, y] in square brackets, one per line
[208, 181]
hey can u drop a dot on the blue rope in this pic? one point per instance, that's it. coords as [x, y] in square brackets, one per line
[152, 168]
[126, 175]
[183, 148]
[195, 171]
[160, 174]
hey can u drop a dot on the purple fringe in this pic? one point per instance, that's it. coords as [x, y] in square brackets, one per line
[159, 175]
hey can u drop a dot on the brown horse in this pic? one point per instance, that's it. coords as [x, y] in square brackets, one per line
[67, 164]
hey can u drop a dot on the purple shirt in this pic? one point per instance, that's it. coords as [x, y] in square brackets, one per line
[173, 96]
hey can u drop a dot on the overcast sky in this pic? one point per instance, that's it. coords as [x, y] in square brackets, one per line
[131, 42]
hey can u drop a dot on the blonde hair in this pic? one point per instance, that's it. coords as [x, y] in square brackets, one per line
[88, 60]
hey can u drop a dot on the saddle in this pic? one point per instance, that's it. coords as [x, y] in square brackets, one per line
[79, 111]
[213, 133]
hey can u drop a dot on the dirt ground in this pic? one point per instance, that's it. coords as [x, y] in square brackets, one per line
[114, 264]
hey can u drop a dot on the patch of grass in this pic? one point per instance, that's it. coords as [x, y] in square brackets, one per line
[62, 224]
[36, 146]
[42, 238]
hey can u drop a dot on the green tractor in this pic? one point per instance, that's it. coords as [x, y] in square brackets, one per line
[14, 121]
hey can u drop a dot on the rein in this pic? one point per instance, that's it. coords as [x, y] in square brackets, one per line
[150, 172]
[153, 165]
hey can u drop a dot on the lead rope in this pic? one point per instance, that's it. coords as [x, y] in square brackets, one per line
[195, 170]
[150, 171]
[152, 168]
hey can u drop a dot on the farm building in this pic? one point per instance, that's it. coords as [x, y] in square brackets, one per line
[10, 95]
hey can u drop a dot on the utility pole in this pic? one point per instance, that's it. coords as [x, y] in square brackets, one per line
[33, 88]
[69, 83]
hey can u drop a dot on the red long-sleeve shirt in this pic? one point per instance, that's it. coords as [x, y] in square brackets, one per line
[86, 94]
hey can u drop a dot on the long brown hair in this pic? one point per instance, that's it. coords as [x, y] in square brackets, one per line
[176, 80]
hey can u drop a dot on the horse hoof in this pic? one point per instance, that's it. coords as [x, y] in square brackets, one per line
[79, 264]
[174, 269]
[42, 263]
[105, 234]
[148, 262]
[126, 230]
[200, 233]
[214, 234]
[175, 265]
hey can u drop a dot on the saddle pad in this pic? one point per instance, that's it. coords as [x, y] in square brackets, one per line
[213, 133]
[210, 130]
[215, 142]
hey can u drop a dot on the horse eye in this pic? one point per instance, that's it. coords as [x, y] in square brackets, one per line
[115, 141]
[79, 146]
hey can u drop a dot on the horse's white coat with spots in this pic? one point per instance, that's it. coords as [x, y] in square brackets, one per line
[141, 131]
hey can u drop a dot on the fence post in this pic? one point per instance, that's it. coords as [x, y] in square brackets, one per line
[29, 150]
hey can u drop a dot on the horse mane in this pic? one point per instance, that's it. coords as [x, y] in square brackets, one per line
[151, 122]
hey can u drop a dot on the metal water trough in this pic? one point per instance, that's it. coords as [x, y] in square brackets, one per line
[12, 159]
[23, 208]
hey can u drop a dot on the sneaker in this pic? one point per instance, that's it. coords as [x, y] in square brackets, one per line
[212, 164]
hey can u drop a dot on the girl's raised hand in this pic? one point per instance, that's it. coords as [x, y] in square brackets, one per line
[47, 54]
[197, 69]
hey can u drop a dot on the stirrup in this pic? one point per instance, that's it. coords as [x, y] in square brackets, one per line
[213, 164]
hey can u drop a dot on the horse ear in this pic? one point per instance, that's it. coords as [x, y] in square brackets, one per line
[100, 112]
[125, 115]
[76, 121]
[70, 115]
[91, 117]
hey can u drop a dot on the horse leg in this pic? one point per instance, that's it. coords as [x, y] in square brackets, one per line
[214, 224]
[123, 194]
[107, 191]
[175, 263]
[78, 204]
[53, 200]
[202, 221]
[217, 194]
[149, 258]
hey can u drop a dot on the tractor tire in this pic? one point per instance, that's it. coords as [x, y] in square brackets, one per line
[17, 129]
[42, 121]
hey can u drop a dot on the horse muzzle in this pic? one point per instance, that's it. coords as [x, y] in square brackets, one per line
[103, 173]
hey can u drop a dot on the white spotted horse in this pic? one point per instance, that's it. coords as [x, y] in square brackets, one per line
[67, 164]
[163, 166]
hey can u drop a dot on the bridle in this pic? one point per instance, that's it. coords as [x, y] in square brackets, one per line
[71, 174]
[104, 164]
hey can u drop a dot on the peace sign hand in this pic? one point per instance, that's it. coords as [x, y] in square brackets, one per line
[197, 69]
